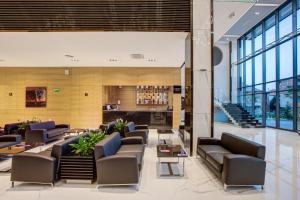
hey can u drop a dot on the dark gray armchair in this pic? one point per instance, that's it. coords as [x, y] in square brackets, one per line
[132, 130]
[119, 161]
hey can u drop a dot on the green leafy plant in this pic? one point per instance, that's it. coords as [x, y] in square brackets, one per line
[120, 124]
[86, 145]
[24, 124]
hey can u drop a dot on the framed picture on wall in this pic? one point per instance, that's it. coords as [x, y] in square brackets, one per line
[36, 97]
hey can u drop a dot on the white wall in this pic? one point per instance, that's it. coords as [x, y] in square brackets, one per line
[222, 73]
[234, 71]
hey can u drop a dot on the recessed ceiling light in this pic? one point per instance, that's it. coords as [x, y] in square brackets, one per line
[257, 13]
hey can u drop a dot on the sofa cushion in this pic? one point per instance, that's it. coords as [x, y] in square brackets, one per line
[109, 146]
[42, 125]
[139, 156]
[216, 159]
[130, 127]
[138, 148]
[238, 145]
[203, 150]
[56, 132]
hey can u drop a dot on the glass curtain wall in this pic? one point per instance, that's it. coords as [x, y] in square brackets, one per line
[269, 68]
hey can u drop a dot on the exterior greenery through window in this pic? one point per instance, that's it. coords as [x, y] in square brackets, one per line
[269, 68]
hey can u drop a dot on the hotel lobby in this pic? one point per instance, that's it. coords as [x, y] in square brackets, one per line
[149, 99]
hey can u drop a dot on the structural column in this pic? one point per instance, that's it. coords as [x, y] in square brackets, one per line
[202, 81]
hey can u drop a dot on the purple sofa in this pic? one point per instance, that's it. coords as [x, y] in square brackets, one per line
[44, 132]
[9, 128]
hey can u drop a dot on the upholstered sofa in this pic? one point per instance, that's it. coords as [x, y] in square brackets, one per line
[9, 128]
[9, 140]
[43, 132]
[132, 130]
[119, 160]
[43, 167]
[236, 161]
[108, 128]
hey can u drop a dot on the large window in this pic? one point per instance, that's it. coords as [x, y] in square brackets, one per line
[268, 68]
[286, 60]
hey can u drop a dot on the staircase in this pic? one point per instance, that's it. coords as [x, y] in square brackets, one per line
[240, 116]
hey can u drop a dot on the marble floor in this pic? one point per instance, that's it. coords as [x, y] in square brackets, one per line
[282, 177]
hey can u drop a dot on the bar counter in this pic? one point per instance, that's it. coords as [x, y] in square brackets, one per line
[155, 119]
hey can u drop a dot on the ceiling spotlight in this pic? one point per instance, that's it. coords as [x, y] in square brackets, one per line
[151, 60]
[113, 60]
[257, 13]
[75, 60]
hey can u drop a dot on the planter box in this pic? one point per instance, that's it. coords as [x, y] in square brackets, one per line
[73, 167]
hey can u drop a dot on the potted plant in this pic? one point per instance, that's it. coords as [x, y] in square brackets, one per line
[79, 162]
[120, 125]
[23, 126]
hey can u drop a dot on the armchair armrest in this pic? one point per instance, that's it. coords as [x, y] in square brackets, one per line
[33, 137]
[243, 170]
[132, 140]
[108, 170]
[33, 167]
[138, 133]
[62, 126]
[143, 126]
[11, 138]
[208, 141]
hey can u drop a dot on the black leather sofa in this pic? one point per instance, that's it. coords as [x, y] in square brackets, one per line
[236, 161]
[43, 167]
[44, 132]
[132, 130]
[9, 140]
[119, 161]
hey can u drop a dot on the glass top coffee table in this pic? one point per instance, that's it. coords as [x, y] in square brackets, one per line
[166, 153]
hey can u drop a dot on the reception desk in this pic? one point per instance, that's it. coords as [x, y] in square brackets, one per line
[155, 119]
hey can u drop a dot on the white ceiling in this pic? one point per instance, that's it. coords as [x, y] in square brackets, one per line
[91, 49]
[240, 16]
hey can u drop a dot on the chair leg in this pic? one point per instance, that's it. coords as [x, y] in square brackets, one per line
[12, 184]
[262, 187]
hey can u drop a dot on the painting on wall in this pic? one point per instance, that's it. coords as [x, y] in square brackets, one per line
[36, 97]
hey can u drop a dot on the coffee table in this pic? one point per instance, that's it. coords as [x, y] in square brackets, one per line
[170, 152]
[160, 132]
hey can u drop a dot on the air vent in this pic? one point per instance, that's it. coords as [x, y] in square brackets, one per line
[137, 56]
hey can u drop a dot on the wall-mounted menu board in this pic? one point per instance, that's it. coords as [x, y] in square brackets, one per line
[152, 95]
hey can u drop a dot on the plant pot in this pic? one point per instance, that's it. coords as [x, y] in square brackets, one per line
[77, 167]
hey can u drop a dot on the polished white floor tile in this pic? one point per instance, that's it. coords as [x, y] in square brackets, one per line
[282, 177]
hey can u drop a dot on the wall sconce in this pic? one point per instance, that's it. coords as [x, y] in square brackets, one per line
[86, 94]
[10, 94]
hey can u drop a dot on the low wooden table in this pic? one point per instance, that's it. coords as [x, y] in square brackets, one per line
[13, 149]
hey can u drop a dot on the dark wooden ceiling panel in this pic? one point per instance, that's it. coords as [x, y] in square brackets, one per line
[95, 15]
